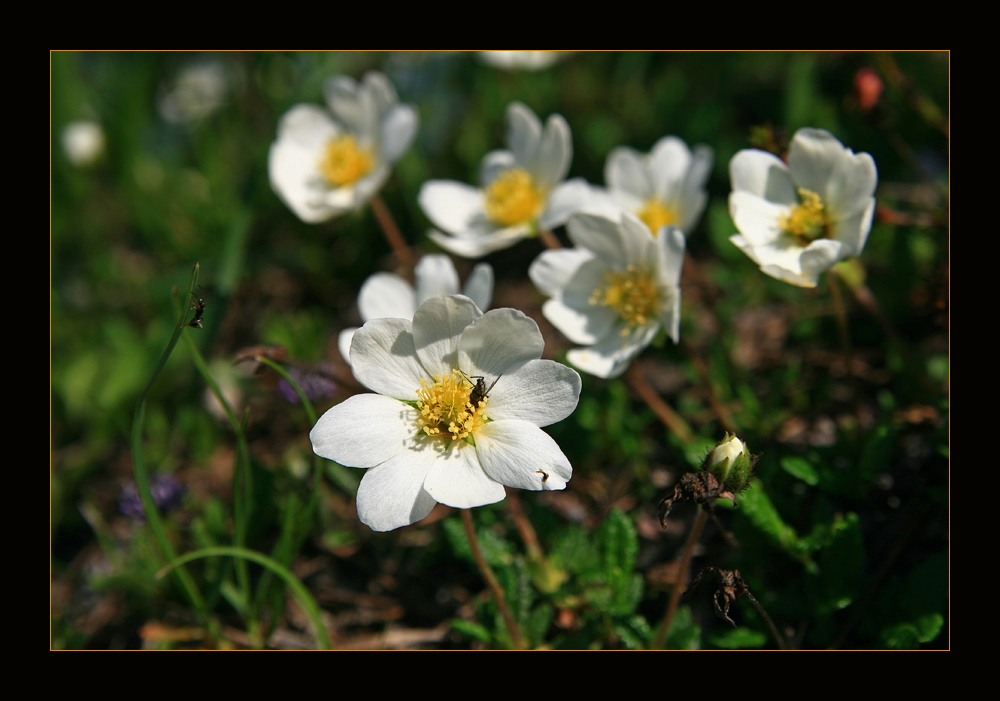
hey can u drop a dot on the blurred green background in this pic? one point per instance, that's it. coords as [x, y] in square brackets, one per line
[844, 537]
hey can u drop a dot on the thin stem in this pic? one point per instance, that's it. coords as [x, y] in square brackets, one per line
[491, 581]
[142, 478]
[391, 231]
[775, 633]
[720, 410]
[675, 595]
[549, 239]
[524, 527]
[668, 416]
[845, 338]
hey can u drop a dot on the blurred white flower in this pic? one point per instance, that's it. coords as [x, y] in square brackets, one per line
[198, 91]
[798, 220]
[523, 190]
[422, 437]
[613, 291]
[83, 142]
[323, 166]
[667, 186]
[522, 60]
[387, 295]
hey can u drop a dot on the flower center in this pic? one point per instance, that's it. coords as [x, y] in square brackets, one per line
[630, 293]
[806, 221]
[445, 407]
[513, 198]
[656, 214]
[344, 162]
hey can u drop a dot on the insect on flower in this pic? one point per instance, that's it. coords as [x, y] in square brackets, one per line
[479, 391]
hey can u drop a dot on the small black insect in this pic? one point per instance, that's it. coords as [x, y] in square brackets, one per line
[199, 308]
[479, 391]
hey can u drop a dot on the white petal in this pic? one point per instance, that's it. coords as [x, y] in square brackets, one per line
[542, 392]
[295, 177]
[637, 241]
[612, 356]
[479, 285]
[581, 324]
[524, 133]
[756, 218]
[344, 339]
[600, 235]
[392, 494]
[763, 174]
[670, 243]
[364, 430]
[498, 343]
[437, 327]
[386, 295]
[669, 162]
[450, 205]
[478, 246]
[384, 358]
[625, 170]
[435, 275]
[819, 257]
[553, 269]
[494, 163]
[307, 126]
[853, 231]
[519, 454]
[555, 153]
[570, 197]
[398, 129]
[813, 157]
[457, 479]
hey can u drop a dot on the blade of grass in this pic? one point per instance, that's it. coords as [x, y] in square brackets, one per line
[302, 595]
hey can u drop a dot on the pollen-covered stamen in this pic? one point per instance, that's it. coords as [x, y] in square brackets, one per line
[513, 198]
[655, 214]
[631, 293]
[344, 161]
[808, 220]
[445, 407]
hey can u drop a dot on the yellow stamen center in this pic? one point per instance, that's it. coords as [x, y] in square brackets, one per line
[656, 214]
[445, 409]
[344, 162]
[513, 198]
[807, 221]
[630, 293]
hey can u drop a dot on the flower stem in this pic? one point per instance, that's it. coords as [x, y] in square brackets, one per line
[491, 581]
[549, 239]
[845, 337]
[675, 595]
[720, 410]
[524, 527]
[670, 418]
[391, 232]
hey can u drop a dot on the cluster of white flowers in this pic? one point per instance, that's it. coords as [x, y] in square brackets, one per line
[461, 395]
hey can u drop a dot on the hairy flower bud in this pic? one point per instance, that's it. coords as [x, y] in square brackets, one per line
[730, 463]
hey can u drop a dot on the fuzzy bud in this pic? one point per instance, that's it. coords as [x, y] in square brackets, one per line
[730, 463]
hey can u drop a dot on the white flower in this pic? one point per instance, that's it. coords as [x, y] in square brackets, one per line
[522, 60]
[420, 435]
[613, 291]
[523, 190]
[198, 91]
[798, 220]
[667, 186]
[386, 295]
[83, 142]
[323, 167]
